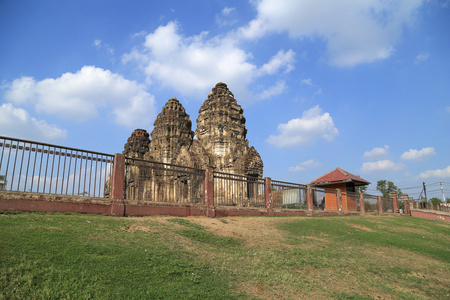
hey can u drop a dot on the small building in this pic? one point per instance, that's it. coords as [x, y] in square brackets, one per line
[346, 182]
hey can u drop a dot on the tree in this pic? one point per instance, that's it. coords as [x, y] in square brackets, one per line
[361, 189]
[435, 201]
[387, 187]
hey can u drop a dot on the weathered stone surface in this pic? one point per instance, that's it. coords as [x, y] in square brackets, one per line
[220, 145]
[172, 131]
[137, 144]
[221, 129]
[221, 141]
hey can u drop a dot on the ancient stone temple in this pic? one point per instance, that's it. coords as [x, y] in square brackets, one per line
[219, 142]
[221, 132]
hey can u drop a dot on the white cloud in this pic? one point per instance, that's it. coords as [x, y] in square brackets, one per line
[228, 10]
[355, 31]
[277, 89]
[309, 164]
[381, 166]
[376, 152]
[16, 122]
[139, 34]
[79, 96]
[307, 82]
[439, 173]
[98, 43]
[413, 154]
[193, 65]
[313, 125]
[227, 17]
[281, 60]
[21, 90]
[421, 57]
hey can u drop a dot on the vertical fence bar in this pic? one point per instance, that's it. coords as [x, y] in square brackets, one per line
[46, 167]
[21, 165]
[7, 164]
[14, 167]
[28, 166]
[20, 168]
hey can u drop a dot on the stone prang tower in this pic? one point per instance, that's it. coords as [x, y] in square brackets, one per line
[220, 142]
[171, 132]
[221, 132]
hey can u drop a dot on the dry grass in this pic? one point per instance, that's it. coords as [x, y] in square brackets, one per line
[357, 257]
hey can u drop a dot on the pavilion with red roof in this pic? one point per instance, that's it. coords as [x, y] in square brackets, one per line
[346, 182]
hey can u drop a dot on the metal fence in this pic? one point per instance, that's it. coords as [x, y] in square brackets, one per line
[370, 203]
[237, 190]
[429, 206]
[288, 195]
[324, 199]
[387, 205]
[28, 166]
[350, 201]
[148, 181]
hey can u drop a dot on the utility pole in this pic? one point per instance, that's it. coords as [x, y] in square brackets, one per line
[443, 196]
[425, 191]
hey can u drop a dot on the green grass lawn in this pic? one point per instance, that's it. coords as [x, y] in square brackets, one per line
[72, 256]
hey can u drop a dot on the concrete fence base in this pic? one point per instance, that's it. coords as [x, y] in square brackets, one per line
[22, 201]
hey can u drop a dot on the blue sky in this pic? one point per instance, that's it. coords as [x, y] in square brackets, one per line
[360, 85]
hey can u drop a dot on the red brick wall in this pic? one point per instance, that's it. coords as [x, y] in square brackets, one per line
[430, 215]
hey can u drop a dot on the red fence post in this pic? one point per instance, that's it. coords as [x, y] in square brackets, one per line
[394, 203]
[209, 193]
[380, 207]
[362, 208]
[406, 204]
[268, 195]
[117, 185]
[309, 197]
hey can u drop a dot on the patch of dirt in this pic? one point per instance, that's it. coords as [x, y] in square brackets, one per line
[259, 231]
[359, 226]
[134, 228]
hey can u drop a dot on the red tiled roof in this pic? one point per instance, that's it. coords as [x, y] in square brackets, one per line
[339, 175]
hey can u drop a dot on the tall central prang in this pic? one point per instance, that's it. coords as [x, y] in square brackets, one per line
[220, 141]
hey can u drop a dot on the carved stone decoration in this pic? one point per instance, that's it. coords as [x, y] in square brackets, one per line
[172, 131]
[250, 163]
[220, 145]
[137, 144]
[221, 130]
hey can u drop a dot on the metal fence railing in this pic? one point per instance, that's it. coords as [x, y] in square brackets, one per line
[324, 199]
[28, 166]
[288, 195]
[429, 206]
[237, 190]
[370, 203]
[350, 201]
[387, 205]
[148, 181]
